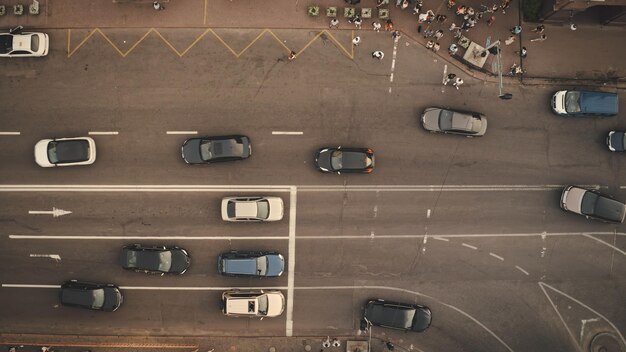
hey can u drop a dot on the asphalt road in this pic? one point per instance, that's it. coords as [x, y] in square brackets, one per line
[469, 227]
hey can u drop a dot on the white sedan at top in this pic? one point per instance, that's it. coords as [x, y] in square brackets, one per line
[23, 44]
[65, 152]
[252, 208]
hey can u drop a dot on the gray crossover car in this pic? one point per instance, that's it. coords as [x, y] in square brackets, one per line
[207, 150]
[399, 316]
[105, 297]
[592, 204]
[242, 209]
[247, 263]
[466, 123]
[155, 259]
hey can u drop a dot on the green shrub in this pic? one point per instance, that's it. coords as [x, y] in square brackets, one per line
[530, 9]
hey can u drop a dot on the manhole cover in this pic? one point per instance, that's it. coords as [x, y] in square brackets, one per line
[605, 342]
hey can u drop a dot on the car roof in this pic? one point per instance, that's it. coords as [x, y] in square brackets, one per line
[246, 209]
[390, 314]
[72, 150]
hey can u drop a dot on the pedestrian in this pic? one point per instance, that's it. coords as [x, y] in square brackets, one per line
[573, 26]
[448, 78]
[389, 25]
[396, 34]
[453, 48]
[379, 3]
[510, 41]
[523, 52]
[418, 7]
[378, 55]
[334, 23]
[491, 20]
[376, 26]
[516, 30]
[405, 4]
[44, 348]
[358, 22]
[157, 6]
[428, 33]
[436, 47]
[457, 82]
[540, 39]
[356, 41]
[461, 10]
[539, 29]
[292, 55]
[505, 5]
[430, 44]
[441, 18]
[438, 34]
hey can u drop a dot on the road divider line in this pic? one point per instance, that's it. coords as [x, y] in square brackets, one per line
[606, 244]
[7, 133]
[224, 238]
[181, 132]
[521, 269]
[444, 237]
[159, 288]
[291, 265]
[288, 133]
[104, 133]
[440, 238]
[496, 256]
[469, 246]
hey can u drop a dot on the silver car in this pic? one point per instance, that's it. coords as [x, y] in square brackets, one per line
[465, 123]
[252, 209]
[253, 303]
[18, 44]
[592, 204]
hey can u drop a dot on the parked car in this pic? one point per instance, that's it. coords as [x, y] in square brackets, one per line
[399, 316]
[155, 259]
[253, 303]
[18, 44]
[65, 152]
[585, 103]
[340, 159]
[466, 123]
[592, 204]
[242, 209]
[105, 297]
[251, 263]
[616, 141]
[207, 150]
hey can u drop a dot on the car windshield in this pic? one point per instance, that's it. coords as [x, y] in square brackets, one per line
[34, 42]
[261, 265]
[445, 120]
[206, 150]
[73, 151]
[262, 300]
[6, 43]
[336, 160]
[165, 261]
[263, 209]
[98, 298]
[588, 205]
[572, 101]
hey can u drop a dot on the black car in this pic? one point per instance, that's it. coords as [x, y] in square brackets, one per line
[207, 150]
[616, 141]
[400, 316]
[340, 159]
[105, 297]
[155, 259]
[248, 263]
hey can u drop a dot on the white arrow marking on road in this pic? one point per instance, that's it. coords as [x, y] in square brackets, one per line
[54, 212]
[56, 257]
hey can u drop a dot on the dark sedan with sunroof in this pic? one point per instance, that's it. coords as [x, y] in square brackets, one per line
[399, 316]
[207, 150]
[155, 259]
[466, 123]
[105, 297]
[340, 159]
[592, 204]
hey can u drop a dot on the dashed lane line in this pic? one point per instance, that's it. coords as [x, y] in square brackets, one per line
[496, 256]
[181, 132]
[522, 270]
[469, 246]
[8, 133]
[393, 62]
[104, 133]
[288, 133]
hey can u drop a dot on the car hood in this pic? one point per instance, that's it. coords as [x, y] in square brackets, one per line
[41, 153]
[276, 208]
[430, 119]
[191, 151]
[275, 304]
[112, 299]
[275, 265]
[573, 199]
[322, 159]
[180, 262]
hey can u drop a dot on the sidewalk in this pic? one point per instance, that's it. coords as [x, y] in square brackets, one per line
[592, 53]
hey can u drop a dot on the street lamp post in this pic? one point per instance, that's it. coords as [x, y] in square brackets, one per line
[505, 96]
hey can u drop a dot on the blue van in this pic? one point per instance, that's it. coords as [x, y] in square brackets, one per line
[585, 103]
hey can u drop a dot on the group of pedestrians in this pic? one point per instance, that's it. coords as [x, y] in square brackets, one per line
[358, 23]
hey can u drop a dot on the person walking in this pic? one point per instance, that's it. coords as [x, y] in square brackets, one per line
[292, 55]
[491, 20]
[334, 23]
[452, 49]
[378, 55]
[357, 22]
[396, 34]
[516, 30]
[540, 39]
[523, 52]
[510, 41]
[389, 25]
[448, 78]
[539, 29]
[356, 41]
[457, 82]
[157, 6]
[377, 26]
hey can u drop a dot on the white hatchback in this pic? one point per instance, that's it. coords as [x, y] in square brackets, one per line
[253, 303]
[23, 44]
[252, 209]
[65, 152]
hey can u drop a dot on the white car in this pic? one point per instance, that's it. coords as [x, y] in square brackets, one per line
[252, 209]
[23, 44]
[253, 303]
[65, 152]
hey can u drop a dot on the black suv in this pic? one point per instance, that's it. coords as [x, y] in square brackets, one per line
[105, 297]
[155, 259]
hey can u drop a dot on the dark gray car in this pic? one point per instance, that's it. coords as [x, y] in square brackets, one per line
[616, 141]
[155, 259]
[105, 297]
[592, 204]
[399, 316]
[251, 263]
[466, 123]
[207, 150]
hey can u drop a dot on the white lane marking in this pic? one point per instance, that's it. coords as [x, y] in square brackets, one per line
[103, 133]
[9, 133]
[393, 61]
[424, 244]
[291, 268]
[441, 238]
[496, 256]
[469, 246]
[428, 214]
[521, 269]
[181, 132]
[225, 238]
[582, 327]
[160, 288]
[56, 257]
[436, 188]
[543, 286]
[606, 244]
[288, 133]
[54, 212]
[375, 211]
[443, 80]
[476, 235]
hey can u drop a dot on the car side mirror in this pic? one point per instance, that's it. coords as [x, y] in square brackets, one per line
[338, 172]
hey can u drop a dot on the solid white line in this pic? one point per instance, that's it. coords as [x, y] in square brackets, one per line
[606, 244]
[30, 286]
[291, 265]
[91, 133]
[428, 214]
[475, 235]
[440, 238]
[10, 133]
[181, 132]
[496, 256]
[287, 133]
[393, 61]
[224, 238]
[468, 246]
[521, 269]
[160, 288]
